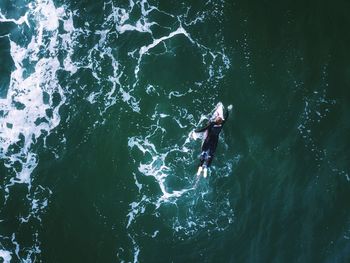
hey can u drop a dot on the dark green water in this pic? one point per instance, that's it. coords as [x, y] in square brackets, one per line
[97, 101]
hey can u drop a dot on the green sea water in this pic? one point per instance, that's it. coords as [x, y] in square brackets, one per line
[97, 103]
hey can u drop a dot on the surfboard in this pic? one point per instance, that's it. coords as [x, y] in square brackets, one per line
[218, 111]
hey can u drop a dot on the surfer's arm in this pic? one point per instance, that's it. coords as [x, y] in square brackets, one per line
[204, 128]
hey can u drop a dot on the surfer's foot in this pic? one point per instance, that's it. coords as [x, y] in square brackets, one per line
[205, 172]
[199, 170]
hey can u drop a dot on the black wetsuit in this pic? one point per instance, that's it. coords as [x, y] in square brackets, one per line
[211, 141]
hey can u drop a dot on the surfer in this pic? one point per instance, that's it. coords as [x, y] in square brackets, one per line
[212, 131]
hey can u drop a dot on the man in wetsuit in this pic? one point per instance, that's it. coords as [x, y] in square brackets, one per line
[213, 129]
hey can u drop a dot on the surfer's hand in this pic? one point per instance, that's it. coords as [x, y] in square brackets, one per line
[229, 107]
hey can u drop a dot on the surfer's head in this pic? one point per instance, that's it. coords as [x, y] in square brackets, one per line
[218, 120]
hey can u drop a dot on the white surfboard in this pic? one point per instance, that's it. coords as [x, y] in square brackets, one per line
[218, 111]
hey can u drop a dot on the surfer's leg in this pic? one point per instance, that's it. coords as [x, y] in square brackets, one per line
[206, 145]
[211, 152]
[205, 172]
[206, 164]
[199, 170]
[203, 157]
[202, 161]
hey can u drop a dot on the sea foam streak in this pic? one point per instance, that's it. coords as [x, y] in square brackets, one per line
[29, 111]
[118, 22]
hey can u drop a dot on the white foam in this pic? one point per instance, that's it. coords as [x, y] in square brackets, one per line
[150, 89]
[196, 135]
[155, 42]
[68, 42]
[68, 24]
[136, 249]
[29, 93]
[47, 15]
[176, 94]
[156, 167]
[92, 98]
[29, 90]
[5, 255]
[121, 16]
[25, 119]
[20, 21]
[139, 186]
[138, 27]
[69, 65]
[155, 233]
[136, 208]
[103, 36]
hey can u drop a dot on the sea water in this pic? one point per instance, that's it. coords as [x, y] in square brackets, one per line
[98, 100]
